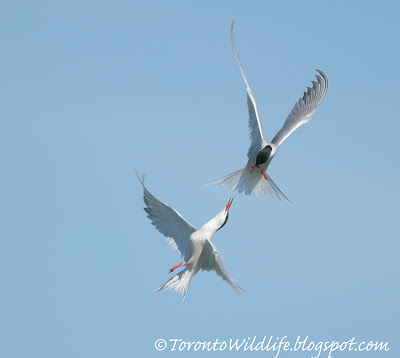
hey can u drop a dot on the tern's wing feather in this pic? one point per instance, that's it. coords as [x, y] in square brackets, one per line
[168, 222]
[304, 108]
[213, 262]
[255, 126]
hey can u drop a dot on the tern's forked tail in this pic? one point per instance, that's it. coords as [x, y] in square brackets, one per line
[180, 283]
[248, 183]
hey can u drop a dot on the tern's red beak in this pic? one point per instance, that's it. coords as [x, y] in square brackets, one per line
[229, 204]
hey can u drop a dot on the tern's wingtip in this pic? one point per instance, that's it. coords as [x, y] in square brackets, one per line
[141, 179]
[322, 73]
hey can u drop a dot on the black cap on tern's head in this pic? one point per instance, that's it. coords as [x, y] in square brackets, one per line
[226, 212]
[263, 155]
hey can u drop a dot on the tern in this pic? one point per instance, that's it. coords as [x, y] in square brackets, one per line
[194, 246]
[253, 177]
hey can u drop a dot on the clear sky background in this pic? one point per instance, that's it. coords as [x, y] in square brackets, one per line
[91, 91]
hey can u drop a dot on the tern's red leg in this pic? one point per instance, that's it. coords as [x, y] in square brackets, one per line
[254, 167]
[265, 176]
[176, 266]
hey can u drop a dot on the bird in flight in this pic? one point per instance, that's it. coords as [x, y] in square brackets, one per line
[194, 246]
[253, 177]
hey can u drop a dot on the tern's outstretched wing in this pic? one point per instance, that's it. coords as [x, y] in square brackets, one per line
[168, 222]
[304, 108]
[213, 262]
[255, 126]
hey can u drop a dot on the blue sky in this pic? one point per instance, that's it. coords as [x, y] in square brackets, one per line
[92, 91]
